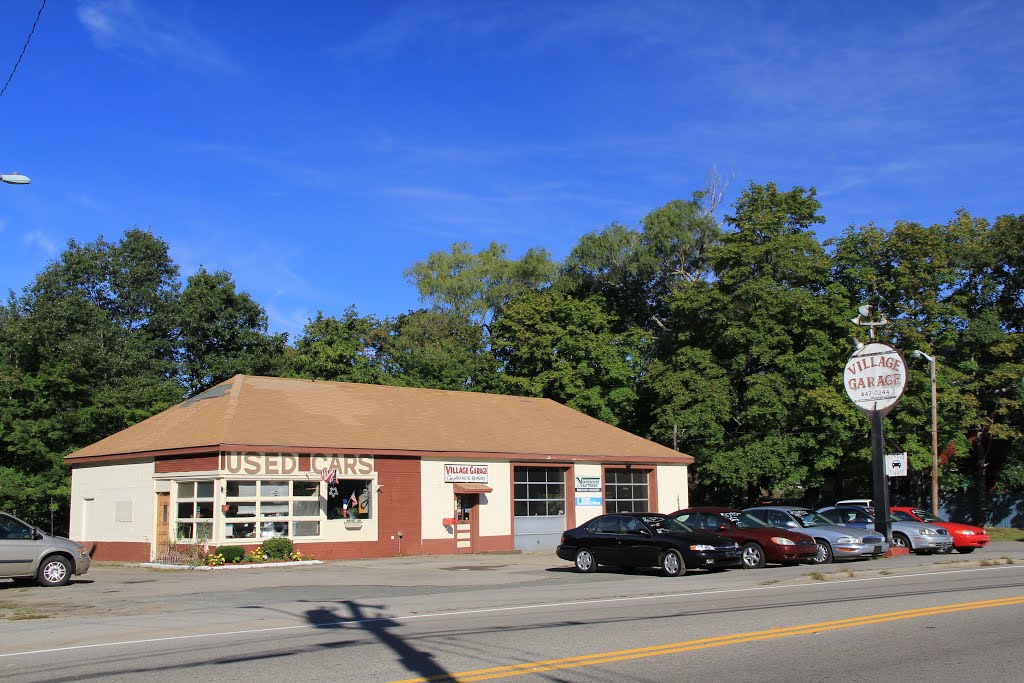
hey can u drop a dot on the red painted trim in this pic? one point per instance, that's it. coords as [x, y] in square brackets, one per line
[118, 551]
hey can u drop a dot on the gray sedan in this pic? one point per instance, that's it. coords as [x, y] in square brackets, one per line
[834, 542]
[919, 537]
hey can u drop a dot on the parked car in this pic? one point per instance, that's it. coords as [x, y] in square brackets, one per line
[966, 538]
[28, 555]
[863, 502]
[919, 537]
[759, 542]
[646, 539]
[833, 542]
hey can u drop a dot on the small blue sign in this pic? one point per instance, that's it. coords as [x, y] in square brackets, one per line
[588, 500]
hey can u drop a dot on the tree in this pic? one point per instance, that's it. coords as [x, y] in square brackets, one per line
[85, 351]
[223, 333]
[572, 351]
[478, 285]
[345, 349]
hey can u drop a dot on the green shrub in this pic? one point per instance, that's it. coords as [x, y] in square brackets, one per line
[230, 553]
[278, 548]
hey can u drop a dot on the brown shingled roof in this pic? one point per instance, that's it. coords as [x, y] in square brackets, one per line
[268, 412]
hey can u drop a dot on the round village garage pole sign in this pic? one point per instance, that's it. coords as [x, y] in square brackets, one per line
[875, 377]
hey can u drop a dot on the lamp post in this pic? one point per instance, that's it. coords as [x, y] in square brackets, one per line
[15, 179]
[935, 436]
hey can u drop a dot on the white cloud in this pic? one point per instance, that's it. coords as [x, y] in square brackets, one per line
[131, 31]
[36, 238]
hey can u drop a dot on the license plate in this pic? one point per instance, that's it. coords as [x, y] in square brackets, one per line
[878, 549]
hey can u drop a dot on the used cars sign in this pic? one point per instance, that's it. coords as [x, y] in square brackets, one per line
[875, 377]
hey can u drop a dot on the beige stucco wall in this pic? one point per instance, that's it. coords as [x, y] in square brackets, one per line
[437, 499]
[113, 502]
[586, 512]
[673, 488]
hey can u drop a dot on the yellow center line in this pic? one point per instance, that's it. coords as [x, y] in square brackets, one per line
[701, 643]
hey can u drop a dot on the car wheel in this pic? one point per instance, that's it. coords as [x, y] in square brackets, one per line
[753, 556]
[824, 555]
[672, 563]
[900, 541]
[585, 561]
[54, 571]
[965, 550]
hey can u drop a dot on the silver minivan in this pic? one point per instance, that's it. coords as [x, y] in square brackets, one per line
[28, 555]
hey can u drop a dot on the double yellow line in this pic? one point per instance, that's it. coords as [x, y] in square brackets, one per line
[702, 643]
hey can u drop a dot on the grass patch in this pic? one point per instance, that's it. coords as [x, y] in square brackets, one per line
[12, 611]
[886, 572]
[1003, 534]
[818, 576]
[769, 582]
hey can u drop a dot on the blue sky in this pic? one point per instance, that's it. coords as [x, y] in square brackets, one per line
[317, 149]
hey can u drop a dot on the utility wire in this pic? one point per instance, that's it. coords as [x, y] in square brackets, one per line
[25, 47]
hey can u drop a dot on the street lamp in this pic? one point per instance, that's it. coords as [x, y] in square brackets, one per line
[935, 437]
[15, 179]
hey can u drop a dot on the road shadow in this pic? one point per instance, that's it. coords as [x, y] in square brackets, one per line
[416, 661]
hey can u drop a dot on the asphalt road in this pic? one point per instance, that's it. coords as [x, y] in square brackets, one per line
[525, 617]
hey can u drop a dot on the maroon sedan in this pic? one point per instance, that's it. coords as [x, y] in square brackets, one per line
[760, 542]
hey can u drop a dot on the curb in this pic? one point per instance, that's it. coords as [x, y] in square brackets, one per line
[206, 568]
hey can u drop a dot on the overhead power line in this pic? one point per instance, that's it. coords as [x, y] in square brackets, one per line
[25, 47]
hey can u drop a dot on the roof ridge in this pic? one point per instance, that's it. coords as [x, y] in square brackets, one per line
[229, 413]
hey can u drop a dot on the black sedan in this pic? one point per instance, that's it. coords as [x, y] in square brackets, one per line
[646, 539]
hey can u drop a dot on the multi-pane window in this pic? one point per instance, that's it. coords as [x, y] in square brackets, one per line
[626, 490]
[265, 509]
[539, 491]
[195, 510]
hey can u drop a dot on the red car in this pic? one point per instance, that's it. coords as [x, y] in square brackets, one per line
[760, 542]
[965, 537]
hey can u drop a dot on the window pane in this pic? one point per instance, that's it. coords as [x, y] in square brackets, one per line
[521, 509]
[237, 489]
[186, 489]
[273, 509]
[204, 489]
[305, 488]
[204, 510]
[204, 530]
[273, 529]
[247, 530]
[273, 489]
[555, 508]
[185, 530]
[306, 528]
[520, 491]
[185, 510]
[305, 508]
[242, 509]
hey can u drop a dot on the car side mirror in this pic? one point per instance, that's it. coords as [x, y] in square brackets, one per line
[723, 527]
[37, 535]
[641, 532]
[792, 525]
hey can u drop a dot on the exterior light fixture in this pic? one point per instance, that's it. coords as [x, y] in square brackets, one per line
[15, 179]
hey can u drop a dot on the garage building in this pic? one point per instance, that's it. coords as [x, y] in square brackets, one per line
[360, 470]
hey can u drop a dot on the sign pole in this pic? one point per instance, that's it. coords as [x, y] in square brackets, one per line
[883, 525]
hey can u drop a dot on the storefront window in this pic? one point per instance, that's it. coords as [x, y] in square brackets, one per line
[626, 490]
[195, 510]
[349, 499]
[539, 491]
[271, 509]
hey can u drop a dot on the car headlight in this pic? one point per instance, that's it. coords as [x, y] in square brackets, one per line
[82, 551]
[779, 540]
[847, 539]
[965, 532]
[927, 532]
[702, 546]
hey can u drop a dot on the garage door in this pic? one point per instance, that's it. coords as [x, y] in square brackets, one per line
[539, 507]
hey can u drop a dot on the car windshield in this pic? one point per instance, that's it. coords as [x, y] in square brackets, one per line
[809, 519]
[927, 516]
[745, 521]
[664, 523]
[901, 516]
